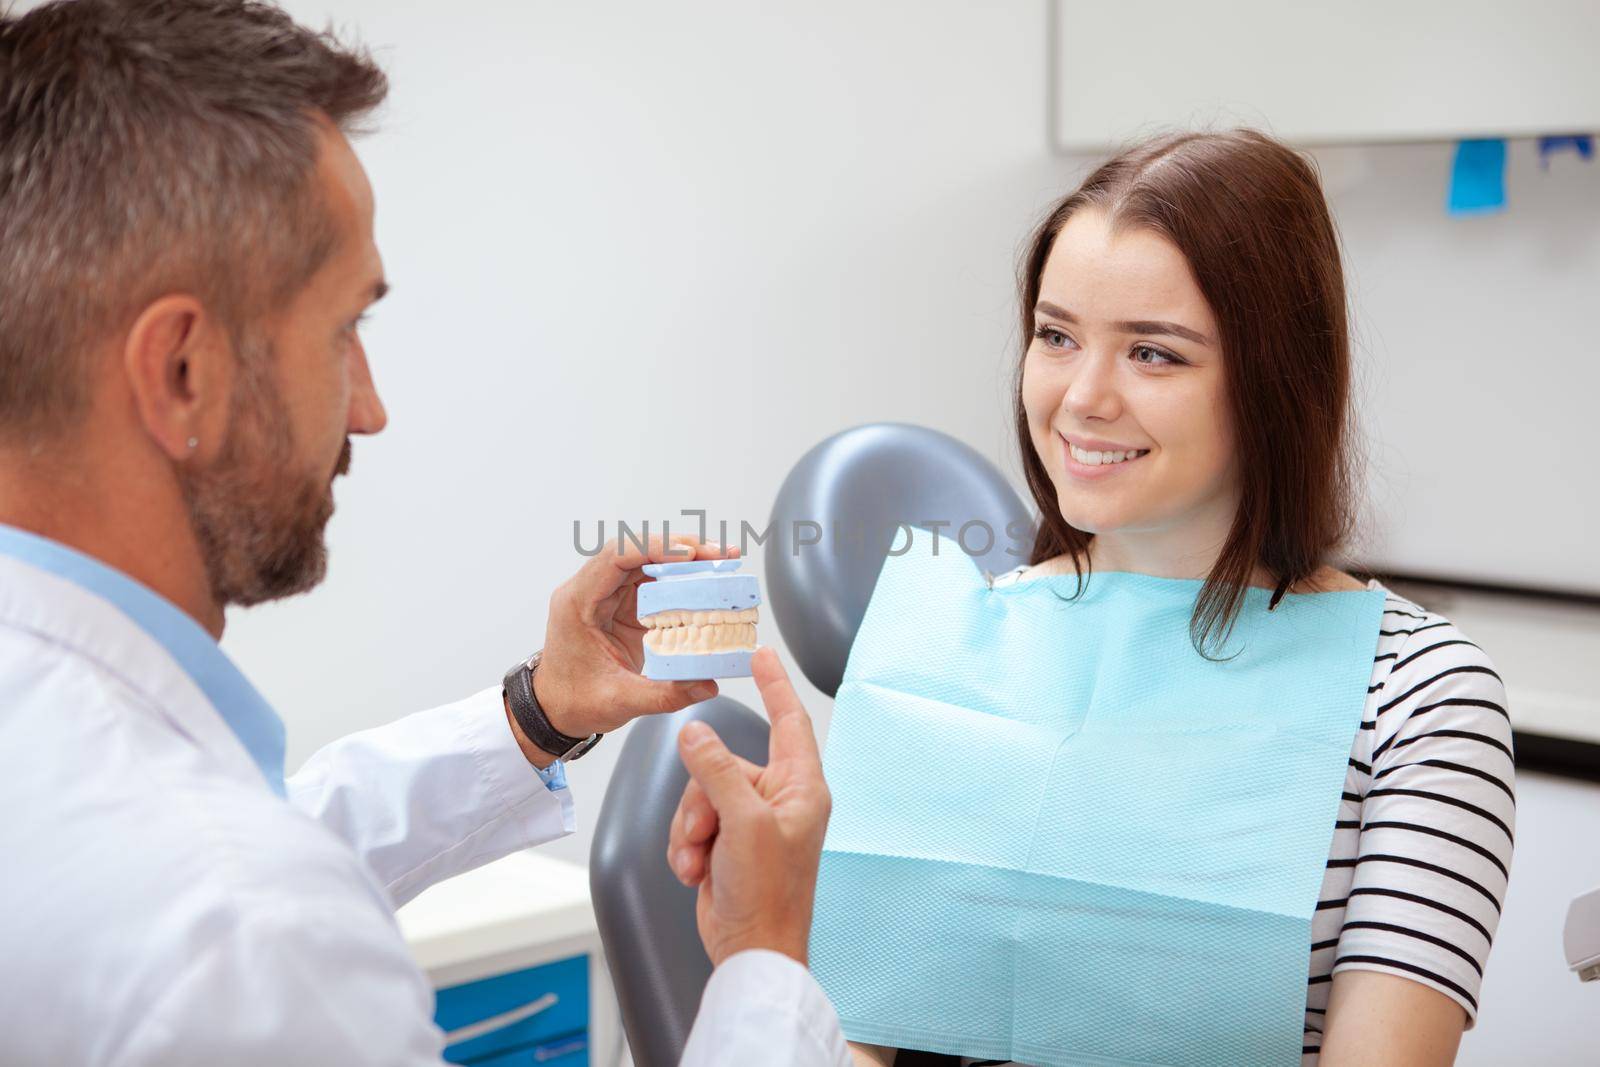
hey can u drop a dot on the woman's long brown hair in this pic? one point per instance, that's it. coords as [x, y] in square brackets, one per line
[1249, 216]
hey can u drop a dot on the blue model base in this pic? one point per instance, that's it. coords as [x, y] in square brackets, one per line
[683, 668]
[714, 592]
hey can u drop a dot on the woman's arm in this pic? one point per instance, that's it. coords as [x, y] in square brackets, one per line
[1434, 857]
[872, 1055]
[1381, 1019]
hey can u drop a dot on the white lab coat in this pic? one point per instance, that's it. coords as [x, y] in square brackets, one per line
[160, 905]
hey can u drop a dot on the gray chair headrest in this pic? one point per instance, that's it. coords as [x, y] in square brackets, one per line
[871, 479]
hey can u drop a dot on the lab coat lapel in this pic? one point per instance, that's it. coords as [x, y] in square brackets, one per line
[83, 624]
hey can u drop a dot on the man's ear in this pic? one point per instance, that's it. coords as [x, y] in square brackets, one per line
[180, 368]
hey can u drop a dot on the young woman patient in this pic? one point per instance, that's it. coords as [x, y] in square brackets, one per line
[1182, 410]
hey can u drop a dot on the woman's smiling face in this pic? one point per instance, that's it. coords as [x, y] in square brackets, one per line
[1125, 362]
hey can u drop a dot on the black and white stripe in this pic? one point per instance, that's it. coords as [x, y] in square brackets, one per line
[1422, 847]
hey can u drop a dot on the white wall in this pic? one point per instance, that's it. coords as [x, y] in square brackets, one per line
[645, 255]
[1479, 363]
[643, 258]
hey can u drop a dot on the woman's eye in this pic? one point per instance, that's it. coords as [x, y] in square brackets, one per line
[1152, 357]
[1052, 337]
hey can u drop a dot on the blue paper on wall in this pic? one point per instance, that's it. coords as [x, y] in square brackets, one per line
[1478, 178]
[1581, 143]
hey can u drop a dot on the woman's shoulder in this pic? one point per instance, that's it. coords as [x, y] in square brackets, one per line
[1424, 664]
[1430, 678]
[1329, 580]
[1433, 778]
[1418, 642]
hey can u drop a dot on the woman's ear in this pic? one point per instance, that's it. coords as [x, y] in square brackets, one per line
[179, 366]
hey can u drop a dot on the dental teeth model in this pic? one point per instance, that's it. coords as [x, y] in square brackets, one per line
[701, 619]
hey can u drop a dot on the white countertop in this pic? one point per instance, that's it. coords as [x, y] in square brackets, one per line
[523, 901]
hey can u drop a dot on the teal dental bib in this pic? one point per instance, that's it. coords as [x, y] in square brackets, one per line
[1061, 836]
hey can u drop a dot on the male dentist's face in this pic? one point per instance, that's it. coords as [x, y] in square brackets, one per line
[1123, 386]
[303, 386]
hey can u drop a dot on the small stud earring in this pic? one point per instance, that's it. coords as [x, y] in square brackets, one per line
[194, 442]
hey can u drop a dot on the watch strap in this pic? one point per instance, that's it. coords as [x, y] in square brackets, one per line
[518, 689]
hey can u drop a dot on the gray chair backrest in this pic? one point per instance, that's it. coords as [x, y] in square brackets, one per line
[876, 476]
[646, 917]
[870, 479]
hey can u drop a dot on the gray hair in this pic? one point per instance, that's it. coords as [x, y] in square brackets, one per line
[149, 147]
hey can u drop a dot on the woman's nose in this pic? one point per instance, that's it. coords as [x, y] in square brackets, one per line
[1092, 393]
[367, 415]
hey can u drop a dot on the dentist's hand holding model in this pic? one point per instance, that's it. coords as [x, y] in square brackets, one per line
[186, 253]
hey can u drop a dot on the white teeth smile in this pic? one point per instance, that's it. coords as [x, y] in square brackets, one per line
[1094, 459]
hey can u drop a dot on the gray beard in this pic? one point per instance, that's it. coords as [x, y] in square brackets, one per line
[258, 521]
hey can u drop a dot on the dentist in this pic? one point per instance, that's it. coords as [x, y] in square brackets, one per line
[186, 250]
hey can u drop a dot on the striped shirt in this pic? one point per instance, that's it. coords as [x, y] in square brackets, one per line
[1421, 850]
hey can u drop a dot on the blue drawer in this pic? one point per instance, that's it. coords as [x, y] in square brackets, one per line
[571, 1050]
[564, 985]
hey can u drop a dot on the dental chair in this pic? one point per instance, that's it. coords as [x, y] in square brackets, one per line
[875, 478]
[645, 915]
[819, 577]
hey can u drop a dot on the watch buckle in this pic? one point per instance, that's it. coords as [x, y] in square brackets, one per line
[581, 747]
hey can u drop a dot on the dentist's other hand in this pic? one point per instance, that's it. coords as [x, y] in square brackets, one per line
[588, 681]
[751, 837]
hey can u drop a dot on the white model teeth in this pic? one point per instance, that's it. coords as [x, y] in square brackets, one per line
[1095, 459]
[728, 637]
[664, 619]
[700, 632]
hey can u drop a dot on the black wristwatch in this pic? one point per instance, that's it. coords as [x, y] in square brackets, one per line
[531, 717]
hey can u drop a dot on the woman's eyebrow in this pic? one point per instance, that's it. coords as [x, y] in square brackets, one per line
[1145, 326]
